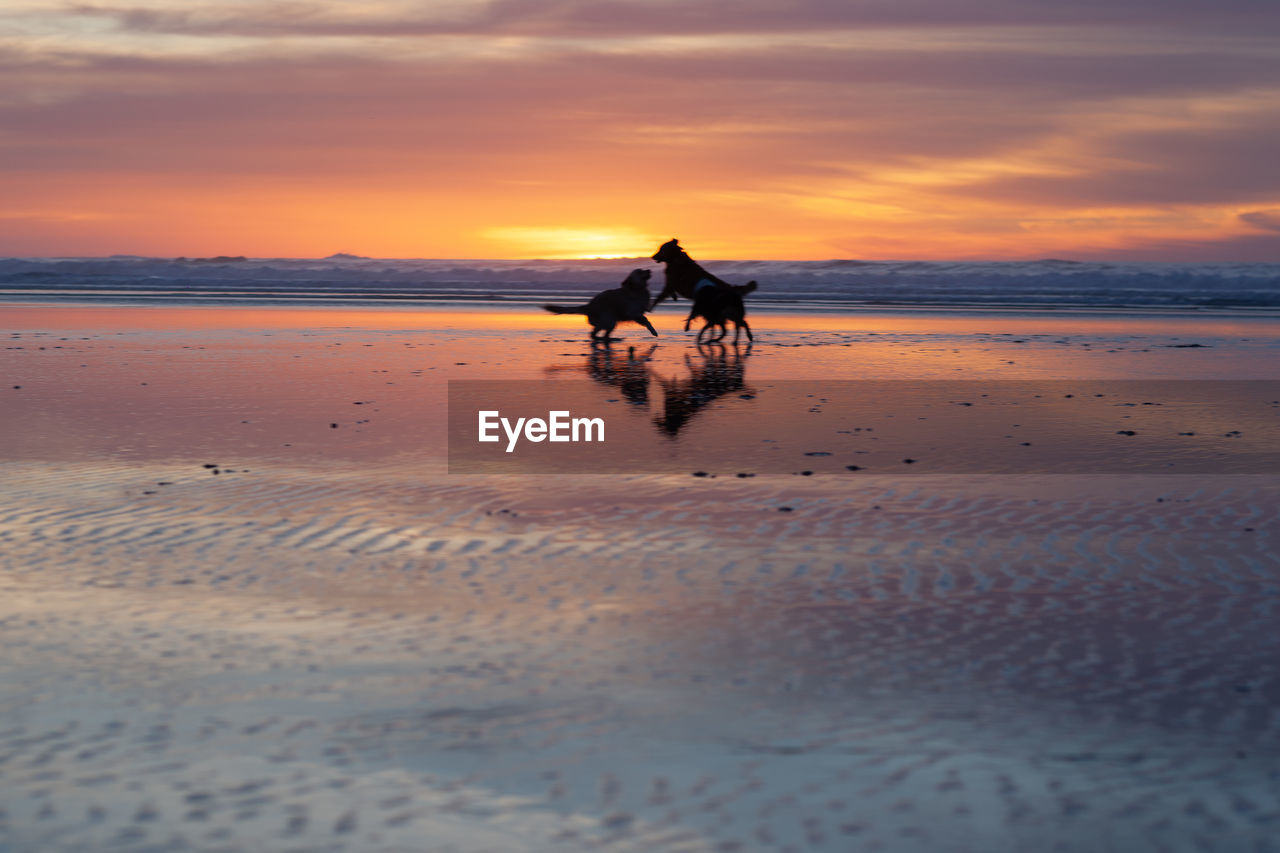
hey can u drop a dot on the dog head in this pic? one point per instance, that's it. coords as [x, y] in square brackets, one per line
[637, 280]
[669, 251]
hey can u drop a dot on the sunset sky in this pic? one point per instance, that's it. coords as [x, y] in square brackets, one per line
[933, 129]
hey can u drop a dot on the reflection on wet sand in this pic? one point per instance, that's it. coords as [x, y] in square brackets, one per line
[882, 426]
[630, 375]
[714, 373]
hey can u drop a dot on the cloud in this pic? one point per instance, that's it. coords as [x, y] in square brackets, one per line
[1267, 220]
[1247, 248]
[28, 215]
[884, 119]
[612, 18]
[1226, 160]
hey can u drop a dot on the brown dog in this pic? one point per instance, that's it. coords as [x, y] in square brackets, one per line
[685, 275]
[620, 305]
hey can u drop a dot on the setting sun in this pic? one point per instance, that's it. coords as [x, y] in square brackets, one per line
[569, 243]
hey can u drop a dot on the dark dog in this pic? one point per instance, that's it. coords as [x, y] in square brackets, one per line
[718, 306]
[620, 305]
[685, 275]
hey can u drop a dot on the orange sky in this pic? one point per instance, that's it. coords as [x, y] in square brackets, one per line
[932, 129]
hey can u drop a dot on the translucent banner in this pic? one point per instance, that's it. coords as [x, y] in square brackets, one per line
[715, 423]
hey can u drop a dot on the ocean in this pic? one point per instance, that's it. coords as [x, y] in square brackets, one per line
[796, 285]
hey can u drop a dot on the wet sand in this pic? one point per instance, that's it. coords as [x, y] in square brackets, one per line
[248, 607]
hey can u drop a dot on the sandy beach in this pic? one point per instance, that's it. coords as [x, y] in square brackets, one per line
[257, 597]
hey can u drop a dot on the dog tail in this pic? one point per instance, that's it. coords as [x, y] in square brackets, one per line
[565, 309]
[744, 289]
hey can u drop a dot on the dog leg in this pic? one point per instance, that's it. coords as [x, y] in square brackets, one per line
[667, 293]
[644, 321]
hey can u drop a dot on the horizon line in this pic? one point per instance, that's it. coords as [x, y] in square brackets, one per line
[347, 256]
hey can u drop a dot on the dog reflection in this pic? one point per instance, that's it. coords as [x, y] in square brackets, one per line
[715, 373]
[629, 374]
